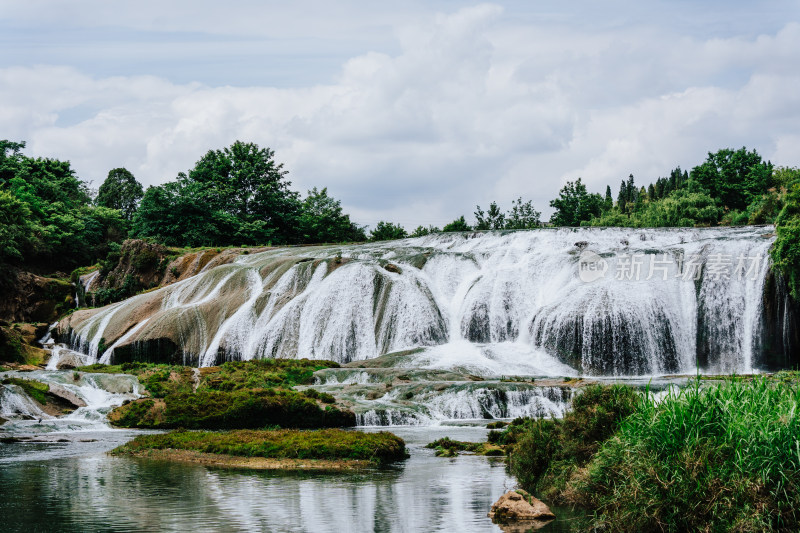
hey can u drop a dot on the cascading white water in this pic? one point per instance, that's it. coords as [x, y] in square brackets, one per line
[97, 394]
[664, 303]
[471, 401]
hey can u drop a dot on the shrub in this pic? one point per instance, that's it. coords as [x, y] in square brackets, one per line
[545, 452]
[721, 458]
[281, 444]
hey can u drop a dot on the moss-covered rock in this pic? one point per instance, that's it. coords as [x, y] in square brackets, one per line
[379, 447]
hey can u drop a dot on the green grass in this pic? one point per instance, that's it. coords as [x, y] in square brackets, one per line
[543, 454]
[235, 395]
[445, 447]
[279, 444]
[35, 389]
[715, 458]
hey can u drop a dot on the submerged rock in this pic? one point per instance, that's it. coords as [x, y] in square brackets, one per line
[519, 505]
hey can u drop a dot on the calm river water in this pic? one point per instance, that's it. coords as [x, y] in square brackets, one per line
[73, 485]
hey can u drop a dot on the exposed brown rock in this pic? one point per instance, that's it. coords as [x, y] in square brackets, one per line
[516, 506]
[66, 396]
[32, 298]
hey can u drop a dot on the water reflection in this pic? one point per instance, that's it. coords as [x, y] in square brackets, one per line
[102, 493]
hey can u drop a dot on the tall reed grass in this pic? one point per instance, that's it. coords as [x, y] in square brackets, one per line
[713, 457]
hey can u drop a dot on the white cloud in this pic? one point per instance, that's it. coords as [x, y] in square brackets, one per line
[475, 105]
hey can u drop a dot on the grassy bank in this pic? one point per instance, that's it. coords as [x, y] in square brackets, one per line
[709, 457]
[327, 444]
[236, 395]
[35, 389]
[721, 458]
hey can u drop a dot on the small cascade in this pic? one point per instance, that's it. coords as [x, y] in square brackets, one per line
[93, 394]
[16, 404]
[436, 403]
[588, 301]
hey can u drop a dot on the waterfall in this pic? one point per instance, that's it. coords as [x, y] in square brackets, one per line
[590, 301]
[95, 395]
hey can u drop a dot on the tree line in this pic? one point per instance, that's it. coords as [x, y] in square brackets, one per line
[240, 195]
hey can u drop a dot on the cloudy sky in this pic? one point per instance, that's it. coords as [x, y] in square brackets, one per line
[407, 111]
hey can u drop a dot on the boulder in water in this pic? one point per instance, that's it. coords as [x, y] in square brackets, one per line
[67, 396]
[519, 505]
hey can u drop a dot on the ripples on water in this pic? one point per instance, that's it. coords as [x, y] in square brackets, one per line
[92, 491]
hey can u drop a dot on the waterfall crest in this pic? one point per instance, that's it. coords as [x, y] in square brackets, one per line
[654, 301]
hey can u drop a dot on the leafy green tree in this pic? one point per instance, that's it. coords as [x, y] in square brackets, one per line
[246, 182]
[321, 220]
[575, 205]
[491, 219]
[421, 231]
[15, 228]
[47, 216]
[735, 178]
[786, 251]
[238, 195]
[682, 208]
[458, 224]
[387, 231]
[608, 201]
[120, 191]
[522, 215]
[174, 214]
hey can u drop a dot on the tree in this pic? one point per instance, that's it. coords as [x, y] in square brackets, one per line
[523, 215]
[246, 182]
[575, 205]
[492, 219]
[421, 231]
[735, 178]
[46, 214]
[321, 220]
[608, 201]
[387, 231]
[15, 228]
[238, 195]
[458, 224]
[120, 191]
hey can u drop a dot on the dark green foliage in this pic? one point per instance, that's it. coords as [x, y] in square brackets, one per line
[35, 389]
[241, 408]
[387, 231]
[263, 373]
[716, 458]
[786, 251]
[458, 224]
[546, 451]
[575, 205]
[132, 414]
[379, 447]
[421, 231]
[46, 215]
[238, 394]
[493, 218]
[522, 215]
[324, 397]
[120, 191]
[445, 447]
[322, 220]
[235, 195]
[736, 178]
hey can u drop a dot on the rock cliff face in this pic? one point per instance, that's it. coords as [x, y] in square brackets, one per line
[32, 298]
[462, 292]
[144, 265]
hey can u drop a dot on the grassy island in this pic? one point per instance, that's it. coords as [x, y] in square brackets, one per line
[284, 449]
[708, 457]
[236, 395]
